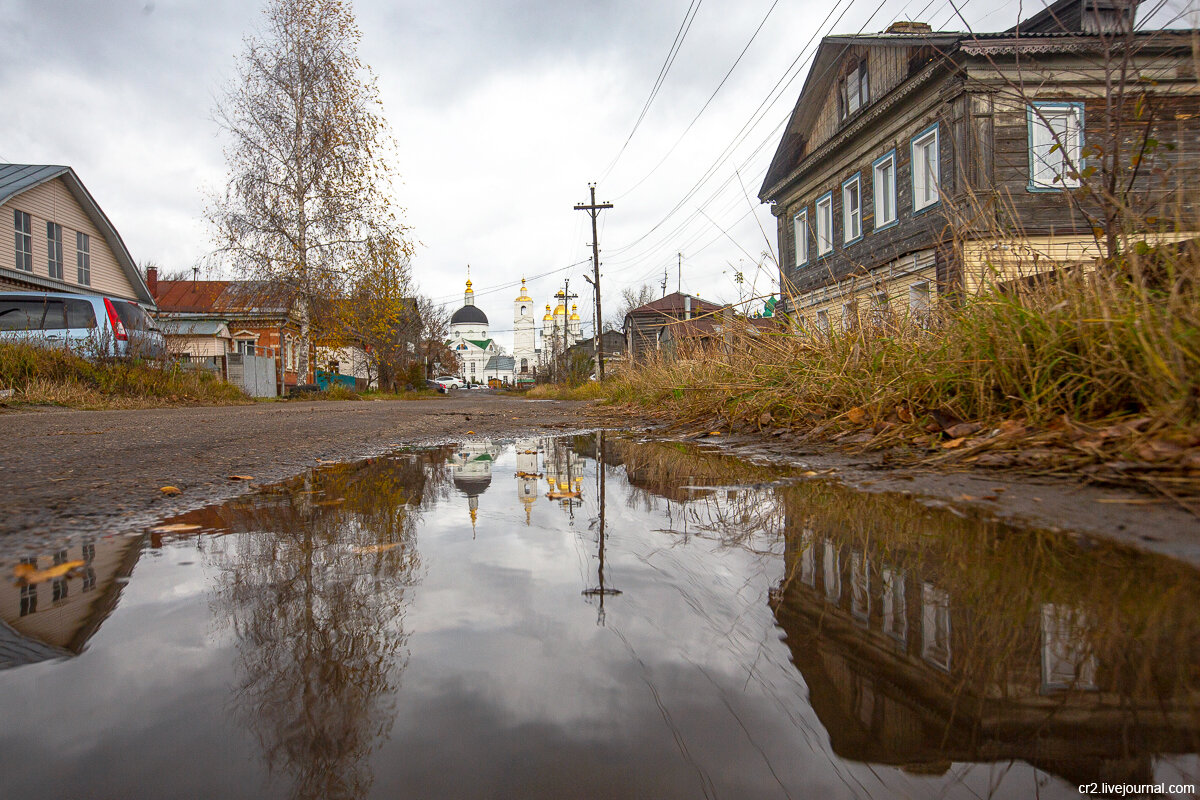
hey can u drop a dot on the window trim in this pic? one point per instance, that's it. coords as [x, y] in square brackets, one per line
[23, 240]
[857, 180]
[83, 258]
[828, 196]
[55, 263]
[1065, 183]
[934, 131]
[895, 220]
[796, 218]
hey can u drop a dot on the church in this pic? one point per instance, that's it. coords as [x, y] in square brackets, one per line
[481, 358]
[476, 350]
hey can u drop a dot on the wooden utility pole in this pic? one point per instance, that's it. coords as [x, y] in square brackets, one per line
[679, 274]
[593, 210]
[567, 298]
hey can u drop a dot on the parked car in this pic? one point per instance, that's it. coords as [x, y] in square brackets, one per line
[92, 325]
[437, 386]
[450, 381]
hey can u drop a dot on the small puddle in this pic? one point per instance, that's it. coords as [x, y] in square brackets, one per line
[510, 619]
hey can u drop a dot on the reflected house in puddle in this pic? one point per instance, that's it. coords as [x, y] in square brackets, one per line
[51, 605]
[563, 470]
[471, 471]
[926, 639]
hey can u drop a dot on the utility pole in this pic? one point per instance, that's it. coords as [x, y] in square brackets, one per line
[663, 283]
[679, 275]
[567, 298]
[593, 210]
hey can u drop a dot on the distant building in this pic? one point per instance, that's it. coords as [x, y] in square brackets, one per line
[612, 344]
[469, 338]
[644, 325]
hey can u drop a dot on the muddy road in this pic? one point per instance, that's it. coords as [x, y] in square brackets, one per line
[101, 471]
[68, 473]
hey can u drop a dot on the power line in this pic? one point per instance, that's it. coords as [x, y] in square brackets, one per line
[688, 17]
[512, 284]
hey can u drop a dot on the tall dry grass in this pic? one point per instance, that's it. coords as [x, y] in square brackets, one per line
[41, 375]
[1091, 345]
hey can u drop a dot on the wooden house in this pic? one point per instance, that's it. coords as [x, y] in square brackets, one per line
[62, 241]
[918, 163]
[644, 325]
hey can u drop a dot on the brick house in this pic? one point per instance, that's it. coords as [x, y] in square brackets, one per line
[261, 318]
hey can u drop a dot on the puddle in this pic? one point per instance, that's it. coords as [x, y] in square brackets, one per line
[505, 619]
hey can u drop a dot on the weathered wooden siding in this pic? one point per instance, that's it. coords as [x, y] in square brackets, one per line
[912, 230]
[895, 279]
[53, 202]
[887, 67]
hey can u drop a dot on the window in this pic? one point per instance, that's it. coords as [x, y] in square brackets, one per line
[800, 233]
[885, 190]
[918, 298]
[879, 308]
[853, 91]
[823, 321]
[850, 315]
[825, 224]
[935, 626]
[54, 251]
[24, 238]
[83, 258]
[851, 211]
[925, 168]
[524, 365]
[245, 347]
[1055, 139]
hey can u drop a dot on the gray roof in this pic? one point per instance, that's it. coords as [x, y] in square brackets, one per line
[500, 363]
[193, 327]
[18, 178]
[17, 649]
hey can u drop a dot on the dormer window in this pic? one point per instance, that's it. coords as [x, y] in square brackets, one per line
[853, 90]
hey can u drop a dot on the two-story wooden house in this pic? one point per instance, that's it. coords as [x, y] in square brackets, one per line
[918, 163]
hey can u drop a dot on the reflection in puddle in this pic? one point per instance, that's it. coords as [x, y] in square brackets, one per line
[509, 619]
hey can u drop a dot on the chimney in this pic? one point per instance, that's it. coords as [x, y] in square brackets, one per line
[687, 306]
[907, 26]
[152, 281]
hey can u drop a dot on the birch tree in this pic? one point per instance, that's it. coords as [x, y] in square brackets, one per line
[308, 174]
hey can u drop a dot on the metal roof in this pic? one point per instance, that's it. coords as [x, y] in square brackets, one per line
[194, 327]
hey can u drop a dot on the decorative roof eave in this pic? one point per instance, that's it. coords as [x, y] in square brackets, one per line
[870, 116]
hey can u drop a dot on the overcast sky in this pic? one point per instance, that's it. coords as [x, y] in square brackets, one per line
[504, 110]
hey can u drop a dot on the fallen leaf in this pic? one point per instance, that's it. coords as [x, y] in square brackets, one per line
[856, 415]
[967, 498]
[962, 429]
[241, 477]
[1011, 427]
[470, 433]
[991, 497]
[714, 433]
[169, 490]
[904, 414]
[375, 548]
[31, 574]
[764, 419]
[953, 443]
[177, 527]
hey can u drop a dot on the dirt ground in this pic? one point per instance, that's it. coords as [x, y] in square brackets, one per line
[67, 473]
[101, 471]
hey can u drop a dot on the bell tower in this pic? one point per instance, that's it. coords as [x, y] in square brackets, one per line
[524, 339]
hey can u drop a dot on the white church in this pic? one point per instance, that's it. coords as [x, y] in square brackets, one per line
[482, 358]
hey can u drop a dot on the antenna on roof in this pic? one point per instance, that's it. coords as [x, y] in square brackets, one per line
[195, 273]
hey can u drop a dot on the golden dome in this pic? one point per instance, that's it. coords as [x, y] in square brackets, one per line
[560, 309]
[574, 311]
[547, 318]
[524, 298]
[469, 289]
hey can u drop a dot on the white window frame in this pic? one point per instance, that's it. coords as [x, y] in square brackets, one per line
[852, 229]
[54, 250]
[919, 298]
[926, 174]
[825, 215]
[1055, 156]
[800, 236]
[23, 236]
[884, 219]
[83, 258]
